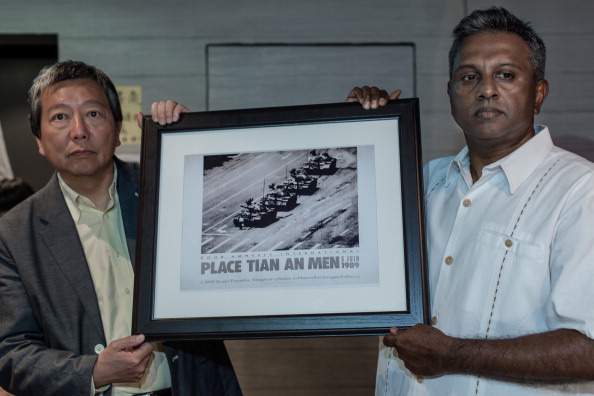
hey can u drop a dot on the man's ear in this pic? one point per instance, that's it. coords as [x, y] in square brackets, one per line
[542, 91]
[118, 126]
[39, 146]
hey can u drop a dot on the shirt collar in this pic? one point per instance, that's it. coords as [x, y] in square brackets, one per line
[516, 166]
[459, 165]
[76, 201]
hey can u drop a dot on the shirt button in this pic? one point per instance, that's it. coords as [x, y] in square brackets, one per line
[434, 320]
[420, 380]
[127, 291]
[449, 260]
[508, 242]
[467, 202]
[99, 348]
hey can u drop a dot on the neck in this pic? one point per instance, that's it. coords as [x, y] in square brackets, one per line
[95, 188]
[483, 153]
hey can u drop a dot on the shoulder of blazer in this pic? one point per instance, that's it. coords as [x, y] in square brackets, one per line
[127, 186]
[128, 177]
[41, 233]
[46, 205]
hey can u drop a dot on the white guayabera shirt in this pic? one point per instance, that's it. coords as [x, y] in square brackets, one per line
[512, 254]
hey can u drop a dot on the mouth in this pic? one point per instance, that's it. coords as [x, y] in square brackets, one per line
[488, 112]
[81, 153]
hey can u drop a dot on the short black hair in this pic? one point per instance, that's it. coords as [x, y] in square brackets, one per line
[498, 19]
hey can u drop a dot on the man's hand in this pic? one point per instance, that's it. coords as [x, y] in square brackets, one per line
[124, 360]
[371, 97]
[164, 112]
[554, 357]
[424, 350]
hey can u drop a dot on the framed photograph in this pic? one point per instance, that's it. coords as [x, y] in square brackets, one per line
[281, 222]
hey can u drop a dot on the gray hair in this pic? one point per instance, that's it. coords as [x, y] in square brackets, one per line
[496, 19]
[63, 71]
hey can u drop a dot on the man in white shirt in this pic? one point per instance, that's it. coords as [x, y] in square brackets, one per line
[509, 231]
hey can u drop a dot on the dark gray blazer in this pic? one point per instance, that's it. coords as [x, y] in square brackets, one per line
[50, 322]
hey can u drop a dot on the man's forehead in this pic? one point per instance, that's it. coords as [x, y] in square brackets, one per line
[95, 94]
[500, 48]
[73, 82]
[488, 42]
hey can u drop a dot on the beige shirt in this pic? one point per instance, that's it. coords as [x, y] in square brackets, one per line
[104, 243]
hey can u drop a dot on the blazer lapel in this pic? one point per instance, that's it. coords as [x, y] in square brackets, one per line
[61, 238]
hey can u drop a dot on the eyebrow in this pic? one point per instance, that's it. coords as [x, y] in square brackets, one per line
[88, 102]
[474, 66]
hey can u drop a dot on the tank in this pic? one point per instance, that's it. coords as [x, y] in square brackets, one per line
[255, 215]
[320, 164]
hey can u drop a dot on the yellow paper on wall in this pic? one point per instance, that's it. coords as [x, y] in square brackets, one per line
[131, 101]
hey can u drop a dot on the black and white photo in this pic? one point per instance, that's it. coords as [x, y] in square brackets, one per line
[298, 213]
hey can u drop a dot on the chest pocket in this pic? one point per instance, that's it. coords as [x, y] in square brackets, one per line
[520, 248]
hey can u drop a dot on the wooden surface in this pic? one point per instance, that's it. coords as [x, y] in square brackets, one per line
[327, 366]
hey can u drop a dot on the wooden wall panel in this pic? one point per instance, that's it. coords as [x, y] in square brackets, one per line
[308, 366]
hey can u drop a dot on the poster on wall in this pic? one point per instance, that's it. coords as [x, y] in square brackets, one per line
[281, 222]
[131, 103]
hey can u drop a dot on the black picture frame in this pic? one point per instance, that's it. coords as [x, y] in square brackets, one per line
[218, 295]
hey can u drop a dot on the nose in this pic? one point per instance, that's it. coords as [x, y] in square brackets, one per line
[78, 128]
[487, 89]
